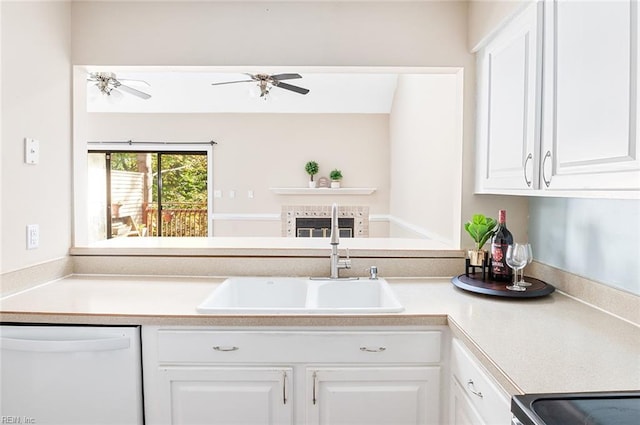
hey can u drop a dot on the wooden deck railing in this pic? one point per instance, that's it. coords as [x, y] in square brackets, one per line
[178, 219]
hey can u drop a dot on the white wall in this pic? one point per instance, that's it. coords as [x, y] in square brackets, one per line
[426, 156]
[260, 151]
[36, 102]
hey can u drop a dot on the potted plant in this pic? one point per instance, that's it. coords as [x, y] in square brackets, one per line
[311, 168]
[480, 228]
[335, 175]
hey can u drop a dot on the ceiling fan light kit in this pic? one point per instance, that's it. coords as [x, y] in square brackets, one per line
[109, 85]
[267, 82]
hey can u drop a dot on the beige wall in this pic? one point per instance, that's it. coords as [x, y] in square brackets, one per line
[314, 33]
[426, 156]
[35, 77]
[36, 102]
[262, 151]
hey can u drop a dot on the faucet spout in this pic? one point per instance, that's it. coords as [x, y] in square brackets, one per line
[336, 262]
[335, 228]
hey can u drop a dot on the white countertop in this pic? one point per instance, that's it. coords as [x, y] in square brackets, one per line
[549, 344]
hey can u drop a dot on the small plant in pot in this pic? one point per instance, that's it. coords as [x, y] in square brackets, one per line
[481, 229]
[335, 175]
[311, 168]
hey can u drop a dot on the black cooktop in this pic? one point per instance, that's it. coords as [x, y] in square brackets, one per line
[602, 408]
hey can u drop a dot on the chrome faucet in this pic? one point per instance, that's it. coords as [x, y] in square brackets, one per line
[336, 262]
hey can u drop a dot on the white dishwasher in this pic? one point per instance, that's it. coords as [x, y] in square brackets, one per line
[70, 375]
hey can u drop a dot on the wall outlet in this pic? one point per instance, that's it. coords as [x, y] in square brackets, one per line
[33, 236]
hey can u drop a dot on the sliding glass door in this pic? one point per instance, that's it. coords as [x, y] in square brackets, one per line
[142, 194]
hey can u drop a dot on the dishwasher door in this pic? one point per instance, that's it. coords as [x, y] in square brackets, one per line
[70, 375]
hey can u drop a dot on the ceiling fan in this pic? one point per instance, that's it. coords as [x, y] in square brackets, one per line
[107, 83]
[267, 82]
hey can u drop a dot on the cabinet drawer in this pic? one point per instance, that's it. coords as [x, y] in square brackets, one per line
[484, 394]
[202, 346]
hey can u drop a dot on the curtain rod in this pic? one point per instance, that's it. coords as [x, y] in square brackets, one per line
[131, 143]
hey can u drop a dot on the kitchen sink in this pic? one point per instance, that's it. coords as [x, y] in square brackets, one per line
[290, 295]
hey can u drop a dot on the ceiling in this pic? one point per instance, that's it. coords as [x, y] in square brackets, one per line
[185, 90]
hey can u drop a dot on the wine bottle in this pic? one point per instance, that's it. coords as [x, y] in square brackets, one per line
[499, 244]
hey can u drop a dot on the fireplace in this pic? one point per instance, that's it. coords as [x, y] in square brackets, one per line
[304, 221]
[320, 227]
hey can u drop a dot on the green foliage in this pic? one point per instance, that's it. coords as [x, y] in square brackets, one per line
[184, 175]
[311, 168]
[480, 228]
[184, 178]
[124, 161]
[335, 174]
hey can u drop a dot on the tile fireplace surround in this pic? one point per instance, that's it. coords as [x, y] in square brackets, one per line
[290, 213]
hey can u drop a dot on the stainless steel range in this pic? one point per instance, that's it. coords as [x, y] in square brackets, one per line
[601, 408]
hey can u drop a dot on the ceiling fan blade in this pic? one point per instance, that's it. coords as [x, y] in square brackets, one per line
[134, 92]
[292, 88]
[232, 82]
[134, 81]
[281, 77]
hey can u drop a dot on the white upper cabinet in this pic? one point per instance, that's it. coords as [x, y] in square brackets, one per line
[557, 102]
[590, 98]
[508, 92]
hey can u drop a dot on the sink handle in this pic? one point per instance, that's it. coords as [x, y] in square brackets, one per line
[373, 349]
[225, 348]
[373, 272]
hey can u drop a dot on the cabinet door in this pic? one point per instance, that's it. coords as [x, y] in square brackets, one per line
[508, 92]
[239, 396]
[373, 396]
[590, 123]
[461, 410]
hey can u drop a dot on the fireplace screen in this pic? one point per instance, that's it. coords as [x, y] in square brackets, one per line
[320, 227]
[314, 221]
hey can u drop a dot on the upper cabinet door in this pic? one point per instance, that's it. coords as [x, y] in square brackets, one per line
[590, 96]
[507, 97]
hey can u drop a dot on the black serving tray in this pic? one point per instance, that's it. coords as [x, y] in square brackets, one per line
[474, 283]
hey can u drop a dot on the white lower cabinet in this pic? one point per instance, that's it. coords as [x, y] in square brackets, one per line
[216, 377]
[366, 396]
[475, 397]
[242, 396]
[461, 409]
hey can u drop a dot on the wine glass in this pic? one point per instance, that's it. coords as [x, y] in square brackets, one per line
[516, 259]
[529, 255]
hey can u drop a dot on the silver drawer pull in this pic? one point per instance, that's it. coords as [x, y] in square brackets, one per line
[472, 388]
[225, 348]
[373, 349]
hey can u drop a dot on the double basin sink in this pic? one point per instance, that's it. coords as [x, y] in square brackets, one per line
[291, 295]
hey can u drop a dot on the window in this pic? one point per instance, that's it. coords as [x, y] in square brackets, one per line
[147, 193]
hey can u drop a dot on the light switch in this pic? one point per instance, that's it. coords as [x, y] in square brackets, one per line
[33, 236]
[250, 194]
[31, 151]
[232, 194]
[217, 193]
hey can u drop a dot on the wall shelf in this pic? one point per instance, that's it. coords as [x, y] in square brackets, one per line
[323, 191]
